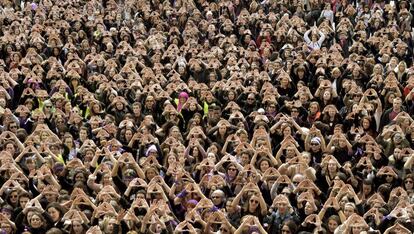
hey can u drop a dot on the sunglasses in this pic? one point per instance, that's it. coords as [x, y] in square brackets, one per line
[314, 144]
[408, 182]
[254, 201]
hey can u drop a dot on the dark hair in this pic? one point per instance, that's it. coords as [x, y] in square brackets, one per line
[58, 207]
[24, 194]
[54, 231]
[293, 228]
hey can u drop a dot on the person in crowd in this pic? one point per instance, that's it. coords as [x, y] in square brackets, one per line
[194, 116]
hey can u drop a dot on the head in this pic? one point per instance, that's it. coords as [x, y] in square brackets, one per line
[333, 222]
[218, 197]
[349, 209]
[36, 220]
[56, 211]
[289, 227]
[396, 104]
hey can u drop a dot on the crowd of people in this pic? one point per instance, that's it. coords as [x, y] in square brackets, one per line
[195, 116]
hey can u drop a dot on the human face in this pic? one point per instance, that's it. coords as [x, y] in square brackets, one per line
[171, 160]
[175, 132]
[96, 108]
[309, 209]
[36, 221]
[287, 131]
[356, 229]
[284, 82]
[408, 184]
[107, 179]
[13, 197]
[282, 207]
[136, 109]
[151, 174]
[10, 148]
[222, 129]
[313, 108]
[149, 102]
[77, 227]
[253, 202]
[326, 95]
[23, 201]
[217, 199]
[264, 165]
[396, 104]
[232, 171]
[366, 188]
[51, 197]
[331, 112]
[294, 112]
[290, 152]
[332, 166]
[119, 106]
[83, 134]
[180, 151]
[245, 159]
[332, 225]
[80, 177]
[128, 135]
[54, 214]
[69, 142]
[285, 230]
[348, 210]
[365, 123]
[13, 127]
[6, 227]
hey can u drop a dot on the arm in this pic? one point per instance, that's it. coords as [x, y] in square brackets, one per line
[262, 203]
[409, 163]
[306, 36]
[237, 199]
[321, 39]
[296, 125]
[91, 182]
